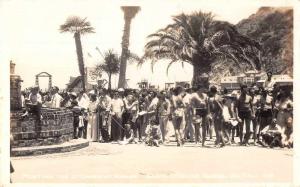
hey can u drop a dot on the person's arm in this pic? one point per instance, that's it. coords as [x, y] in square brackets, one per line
[39, 99]
[208, 105]
[251, 107]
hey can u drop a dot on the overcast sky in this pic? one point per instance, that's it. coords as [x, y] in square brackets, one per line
[32, 39]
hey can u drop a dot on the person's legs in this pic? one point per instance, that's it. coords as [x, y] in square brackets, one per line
[255, 126]
[191, 128]
[85, 123]
[182, 125]
[113, 128]
[240, 129]
[217, 130]
[162, 127]
[176, 123]
[165, 122]
[219, 127]
[197, 132]
[204, 128]
[75, 127]
[226, 130]
[248, 133]
[139, 126]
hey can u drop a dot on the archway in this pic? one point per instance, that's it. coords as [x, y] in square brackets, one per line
[44, 74]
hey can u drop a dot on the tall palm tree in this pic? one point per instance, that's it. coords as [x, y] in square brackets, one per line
[200, 40]
[129, 14]
[78, 26]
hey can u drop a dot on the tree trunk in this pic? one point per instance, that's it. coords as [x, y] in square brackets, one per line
[200, 74]
[124, 54]
[80, 58]
[109, 82]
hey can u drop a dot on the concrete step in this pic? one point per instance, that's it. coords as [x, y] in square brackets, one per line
[71, 145]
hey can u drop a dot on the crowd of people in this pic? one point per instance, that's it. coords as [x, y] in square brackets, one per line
[259, 116]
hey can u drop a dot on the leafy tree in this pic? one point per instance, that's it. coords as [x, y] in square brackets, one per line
[200, 40]
[78, 26]
[111, 64]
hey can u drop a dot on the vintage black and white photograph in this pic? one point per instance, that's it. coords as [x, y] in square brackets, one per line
[149, 92]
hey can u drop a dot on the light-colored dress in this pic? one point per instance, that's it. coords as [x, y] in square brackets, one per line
[93, 125]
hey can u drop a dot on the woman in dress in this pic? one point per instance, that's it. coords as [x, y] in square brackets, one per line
[93, 126]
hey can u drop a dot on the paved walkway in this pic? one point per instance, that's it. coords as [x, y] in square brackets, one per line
[139, 163]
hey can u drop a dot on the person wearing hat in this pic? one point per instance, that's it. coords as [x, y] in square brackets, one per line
[34, 103]
[56, 99]
[245, 113]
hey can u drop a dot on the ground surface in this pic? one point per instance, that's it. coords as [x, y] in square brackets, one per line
[139, 163]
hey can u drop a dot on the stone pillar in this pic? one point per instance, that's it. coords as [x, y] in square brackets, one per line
[15, 89]
[50, 83]
[37, 80]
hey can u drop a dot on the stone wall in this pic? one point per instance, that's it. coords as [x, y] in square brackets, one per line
[15, 92]
[56, 127]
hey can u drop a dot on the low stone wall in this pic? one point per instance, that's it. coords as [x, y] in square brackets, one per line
[56, 127]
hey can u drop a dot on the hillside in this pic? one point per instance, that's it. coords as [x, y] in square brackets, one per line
[273, 28]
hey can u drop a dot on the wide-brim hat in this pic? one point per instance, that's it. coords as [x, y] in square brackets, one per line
[120, 90]
[73, 93]
[92, 92]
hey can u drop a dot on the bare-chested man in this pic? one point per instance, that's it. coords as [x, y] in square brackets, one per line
[199, 103]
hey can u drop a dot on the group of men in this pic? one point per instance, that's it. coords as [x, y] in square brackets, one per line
[263, 114]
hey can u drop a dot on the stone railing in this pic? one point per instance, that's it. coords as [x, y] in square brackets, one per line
[56, 127]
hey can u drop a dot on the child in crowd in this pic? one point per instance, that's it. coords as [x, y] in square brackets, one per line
[153, 135]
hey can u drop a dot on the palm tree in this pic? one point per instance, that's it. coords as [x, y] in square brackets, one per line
[129, 14]
[199, 40]
[78, 26]
[110, 65]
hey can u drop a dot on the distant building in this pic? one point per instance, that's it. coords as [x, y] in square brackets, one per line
[185, 84]
[251, 77]
[169, 85]
[75, 83]
[234, 82]
[143, 84]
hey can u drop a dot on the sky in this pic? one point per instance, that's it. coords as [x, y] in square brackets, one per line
[32, 40]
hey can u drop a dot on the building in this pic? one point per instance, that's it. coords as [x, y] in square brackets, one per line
[251, 77]
[75, 83]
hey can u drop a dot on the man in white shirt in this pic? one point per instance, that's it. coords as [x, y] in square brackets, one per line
[55, 98]
[83, 103]
[117, 108]
[34, 103]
